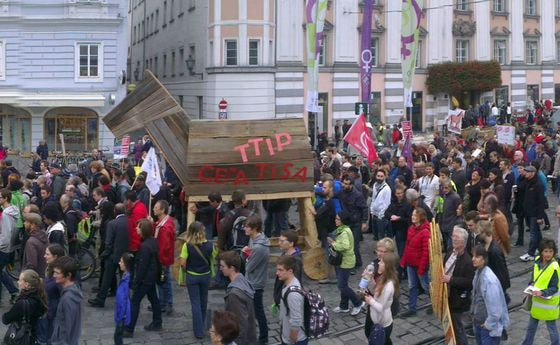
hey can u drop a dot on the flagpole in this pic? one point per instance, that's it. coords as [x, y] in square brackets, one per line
[150, 205]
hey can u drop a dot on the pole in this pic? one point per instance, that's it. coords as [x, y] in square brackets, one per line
[150, 205]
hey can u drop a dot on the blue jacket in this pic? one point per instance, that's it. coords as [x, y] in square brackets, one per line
[122, 301]
[488, 302]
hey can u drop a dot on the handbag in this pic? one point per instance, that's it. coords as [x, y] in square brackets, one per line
[335, 257]
[528, 300]
[19, 332]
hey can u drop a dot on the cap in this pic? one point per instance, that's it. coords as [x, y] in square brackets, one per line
[55, 165]
[530, 168]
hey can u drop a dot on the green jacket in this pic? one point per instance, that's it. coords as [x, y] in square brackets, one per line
[344, 243]
[19, 201]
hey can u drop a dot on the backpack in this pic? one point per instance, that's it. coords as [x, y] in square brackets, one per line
[84, 227]
[315, 312]
[237, 238]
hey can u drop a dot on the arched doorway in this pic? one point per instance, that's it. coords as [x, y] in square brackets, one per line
[15, 128]
[78, 126]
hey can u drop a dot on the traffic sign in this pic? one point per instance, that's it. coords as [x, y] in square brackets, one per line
[223, 104]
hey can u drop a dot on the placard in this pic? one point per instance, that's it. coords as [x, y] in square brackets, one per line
[506, 135]
[407, 129]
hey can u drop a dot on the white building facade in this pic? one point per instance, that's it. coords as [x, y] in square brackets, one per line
[62, 68]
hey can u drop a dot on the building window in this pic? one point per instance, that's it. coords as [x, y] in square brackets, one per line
[80, 127]
[558, 52]
[143, 31]
[164, 65]
[165, 12]
[89, 62]
[157, 21]
[462, 50]
[172, 11]
[533, 92]
[462, 5]
[531, 7]
[323, 52]
[2, 60]
[502, 96]
[147, 26]
[231, 52]
[499, 5]
[172, 64]
[181, 100]
[374, 51]
[15, 128]
[419, 55]
[531, 52]
[182, 60]
[156, 66]
[211, 53]
[254, 52]
[500, 51]
[134, 35]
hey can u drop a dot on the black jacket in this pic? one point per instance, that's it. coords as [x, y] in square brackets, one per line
[533, 201]
[460, 285]
[406, 173]
[497, 262]
[146, 263]
[35, 309]
[116, 239]
[353, 201]
[403, 210]
[460, 179]
[325, 219]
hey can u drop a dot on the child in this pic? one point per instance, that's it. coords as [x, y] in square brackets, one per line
[122, 301]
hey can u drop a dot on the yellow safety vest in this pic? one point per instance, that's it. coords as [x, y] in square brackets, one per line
[545, 309]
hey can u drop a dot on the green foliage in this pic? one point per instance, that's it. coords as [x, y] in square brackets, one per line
[455, 77]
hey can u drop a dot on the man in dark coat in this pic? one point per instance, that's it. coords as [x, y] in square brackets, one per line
[534, 206]
[116, 243]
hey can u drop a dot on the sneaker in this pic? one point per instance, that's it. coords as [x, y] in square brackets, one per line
[356, 310]
[408, 313]
[152, 328]
[527, 257]
[339, 310]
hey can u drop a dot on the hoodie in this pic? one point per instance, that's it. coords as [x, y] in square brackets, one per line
[239, 300]
[122, 301]
[34, 252]
[68, 320]
[8, 229]
[256, 268]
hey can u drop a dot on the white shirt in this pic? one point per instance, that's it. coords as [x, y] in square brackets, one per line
[380, 306]
[495, 111]
[380, 201]
[429, 188]
[508, 110]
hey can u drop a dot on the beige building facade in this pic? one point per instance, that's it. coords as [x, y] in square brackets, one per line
[252, 53]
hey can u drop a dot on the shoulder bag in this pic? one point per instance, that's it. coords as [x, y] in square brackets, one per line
[528, 300]
[19, 332]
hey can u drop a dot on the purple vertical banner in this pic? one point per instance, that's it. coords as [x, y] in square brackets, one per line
[366, 58]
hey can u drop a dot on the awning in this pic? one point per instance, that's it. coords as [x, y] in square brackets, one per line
[24, 99]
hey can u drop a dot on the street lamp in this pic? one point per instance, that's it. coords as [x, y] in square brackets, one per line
[190, 66]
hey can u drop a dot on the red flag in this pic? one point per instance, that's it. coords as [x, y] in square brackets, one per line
[360, 138]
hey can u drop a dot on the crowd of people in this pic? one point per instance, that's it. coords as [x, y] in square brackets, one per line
[472, 187]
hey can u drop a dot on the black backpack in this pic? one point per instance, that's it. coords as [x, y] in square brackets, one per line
[237, 238]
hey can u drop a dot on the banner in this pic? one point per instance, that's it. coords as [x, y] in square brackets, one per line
[315, 13]
[506, 135]
[454, 120]
[366, 58]
[151, 167]
[360, 138]
[411, 18]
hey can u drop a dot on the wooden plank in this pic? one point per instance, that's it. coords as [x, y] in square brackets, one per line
[237, 173]
[234, 157]
[315, 264]
[262, 187]
[248, 128]
[271, 196]
[143, 90]
[201, 145]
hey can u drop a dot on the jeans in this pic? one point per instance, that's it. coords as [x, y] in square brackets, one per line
[357, 233]
[535, 235]
[108, 280]
[275, 222]
[5, 259]
[197, 287]
[44, 330]
[532, 329]
[261, 316]
[509, 217]
[301, 342]
[118, 336]
[414, 281]
[141, 291]
[483, 336]
[165, 292]
[379, 227]
[458, 326]
[346, 293]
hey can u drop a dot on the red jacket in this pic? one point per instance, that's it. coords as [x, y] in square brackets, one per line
[417, 250]
[166, 241]
[137, 212]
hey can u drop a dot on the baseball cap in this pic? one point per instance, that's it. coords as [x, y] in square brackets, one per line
[530, 168]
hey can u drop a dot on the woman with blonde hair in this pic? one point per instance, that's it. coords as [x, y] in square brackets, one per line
[31, 302]
[197, 261]
[379, 322]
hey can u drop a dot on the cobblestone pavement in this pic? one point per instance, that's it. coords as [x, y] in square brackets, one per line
[98, 326]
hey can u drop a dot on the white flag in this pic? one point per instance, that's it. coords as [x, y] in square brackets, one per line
[151, 167]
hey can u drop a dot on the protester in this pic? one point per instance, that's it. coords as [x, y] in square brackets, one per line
[344, 245]
[239, 297]
[67, 323]
[488, 306]
[145, 279]
[416, 258]
[544, 294]
[164, 232]
[197, 260]
[292, 308]
[225, 328]
[533, 205]
[8, 231]
[52, 253]
[122, 300]
[35, 245]
[30, 304]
